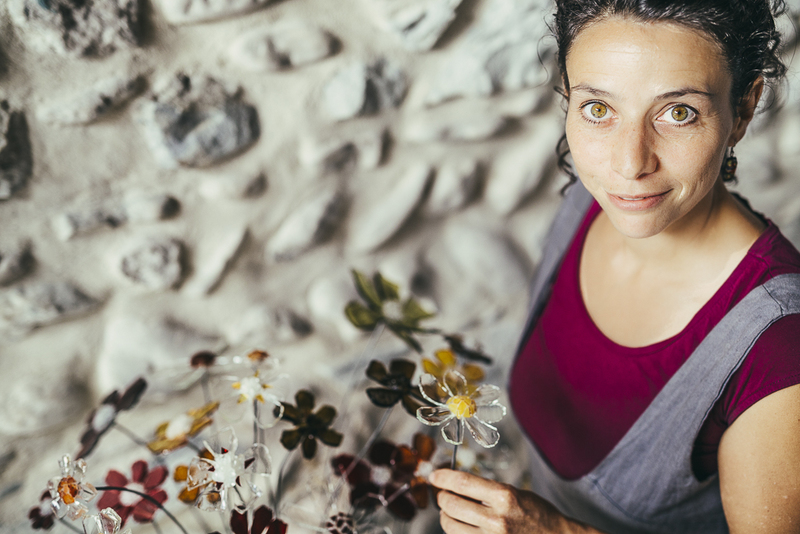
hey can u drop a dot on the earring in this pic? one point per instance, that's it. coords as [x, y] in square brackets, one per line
[729, 167]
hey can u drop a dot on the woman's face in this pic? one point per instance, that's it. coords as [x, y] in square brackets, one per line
[648, 122]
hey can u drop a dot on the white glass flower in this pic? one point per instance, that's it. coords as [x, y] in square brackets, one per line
[226, 482]
[261, 395]
[475, 408]
[106, 522]
[69, 492]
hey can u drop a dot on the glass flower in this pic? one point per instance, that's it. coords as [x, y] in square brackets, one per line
[69, 493]
[225, 481]
[397, 382]
[415, 463]
[340, 523]
[457, 345]
[181, 474]
[106, 522]
[175, 433]
[477, 409]
[447, 362]
[264, 522]
[377, 482]
[382, 304]
[203, 359]
[42, 516]
[260, 389]
[143, 480]
[309, 425]
[101, 418]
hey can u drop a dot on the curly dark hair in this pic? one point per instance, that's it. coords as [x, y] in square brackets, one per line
[744, 29]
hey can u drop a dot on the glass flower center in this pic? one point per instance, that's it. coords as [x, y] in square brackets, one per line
[381, 475]
[393, 310]
[68, 490]
[250, 388]
[129, 499]
[227, 469]
[179, 427]
[424, 470]
[462, 406]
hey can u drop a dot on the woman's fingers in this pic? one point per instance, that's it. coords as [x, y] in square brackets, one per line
[462, 509]
[461, 483]
[454, 526]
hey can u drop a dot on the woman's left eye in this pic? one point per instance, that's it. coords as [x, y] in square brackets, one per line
[678, 115]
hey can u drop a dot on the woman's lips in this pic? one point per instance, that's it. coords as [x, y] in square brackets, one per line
[636, 202]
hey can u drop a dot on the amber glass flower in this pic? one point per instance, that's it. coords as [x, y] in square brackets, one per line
[70, 494]
[175, 433]
[310, 426]
[446, 361]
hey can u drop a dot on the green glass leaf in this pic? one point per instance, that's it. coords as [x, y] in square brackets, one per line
[377, 371]
[326, 415]
[291, 438]
[290, 413]
[415, 313]
[456, 342]
[366, 289]
[309, 447]
[386, 289]
[331, 437]
[385, 398]
[305, 400]
[361, 316]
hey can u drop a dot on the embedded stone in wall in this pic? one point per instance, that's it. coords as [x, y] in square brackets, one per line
[487, 258]
[89, 105]
[28, 306]
[212, 266]
[326, 299]
[156, 264]
[311, 224]
[380, 221]
[340, 154]
[517, 173]
[15, 151]
[501, 52]
[425, 128]
[135, 207]
[458, 182]
[263, 325]
[15, 262]
[50, 398]
[192, 11]
[236, 187]
[284, 45]
[361, 89]
[196, 122]
[87, 28]
[418, 23]
[156, 348]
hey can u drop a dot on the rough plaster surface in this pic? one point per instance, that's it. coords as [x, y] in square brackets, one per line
[414, 137]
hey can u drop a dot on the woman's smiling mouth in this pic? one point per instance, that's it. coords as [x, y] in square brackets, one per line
[636, 202]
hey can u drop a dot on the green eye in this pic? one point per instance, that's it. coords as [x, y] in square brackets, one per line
[599, 110]
[680, 113]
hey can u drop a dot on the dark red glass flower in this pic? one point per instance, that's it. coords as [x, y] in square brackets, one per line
[42, 517]
[143, 480]
[264, 522]
[101, 418]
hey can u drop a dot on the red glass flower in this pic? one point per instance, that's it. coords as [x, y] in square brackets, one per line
[264, 522]
[143, 480]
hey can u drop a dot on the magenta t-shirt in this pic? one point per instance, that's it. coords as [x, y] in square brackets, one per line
[576, 393]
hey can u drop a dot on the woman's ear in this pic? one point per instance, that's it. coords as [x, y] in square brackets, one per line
[746, 110]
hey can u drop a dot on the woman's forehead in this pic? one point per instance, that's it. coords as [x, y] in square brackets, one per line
[619, 55]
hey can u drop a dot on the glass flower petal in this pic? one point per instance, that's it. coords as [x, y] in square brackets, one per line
[484, 434]
[434, 415]
[491, 413]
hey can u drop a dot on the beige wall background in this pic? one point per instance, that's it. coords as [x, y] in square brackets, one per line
[178, 175]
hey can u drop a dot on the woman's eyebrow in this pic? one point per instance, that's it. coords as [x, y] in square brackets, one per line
[664, 96]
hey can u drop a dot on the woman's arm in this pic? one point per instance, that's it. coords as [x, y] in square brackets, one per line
[473, 505]
[759, 466]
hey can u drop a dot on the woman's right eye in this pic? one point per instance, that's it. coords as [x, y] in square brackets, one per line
[595, 111]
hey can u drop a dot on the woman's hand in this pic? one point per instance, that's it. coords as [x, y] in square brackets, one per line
[472, 505]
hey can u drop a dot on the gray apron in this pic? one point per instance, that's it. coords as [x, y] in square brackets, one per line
[646, 484]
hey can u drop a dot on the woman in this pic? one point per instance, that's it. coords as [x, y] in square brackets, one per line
[659, 376]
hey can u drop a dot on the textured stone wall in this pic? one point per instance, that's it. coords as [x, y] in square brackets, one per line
[178, 175]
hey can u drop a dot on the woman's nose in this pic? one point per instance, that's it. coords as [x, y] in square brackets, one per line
[633, 155]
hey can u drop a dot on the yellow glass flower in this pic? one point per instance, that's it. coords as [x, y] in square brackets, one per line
[447, 361]
[175, 433]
